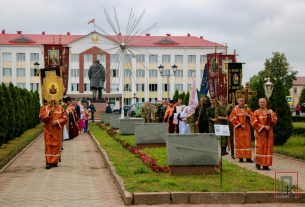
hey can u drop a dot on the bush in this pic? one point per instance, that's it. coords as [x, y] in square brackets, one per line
[11, 113]
[4, 116]
[278, 102]
[20, 112]
[176, 95]
[298, 119]
[186, 99]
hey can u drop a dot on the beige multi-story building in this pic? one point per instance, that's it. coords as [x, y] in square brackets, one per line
[296, 90]
[142, 79]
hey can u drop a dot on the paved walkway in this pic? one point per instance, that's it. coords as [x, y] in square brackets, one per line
[279, 164]
[80, 180]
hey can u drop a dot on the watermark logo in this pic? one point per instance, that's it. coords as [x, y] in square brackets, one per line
[286, 185]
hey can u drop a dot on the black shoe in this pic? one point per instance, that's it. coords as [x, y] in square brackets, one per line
[241, 160]
[257, 166]
[62, 148]
[48, 166]
[249, 160]
[266, 168]
[233, 157]
[55, 165]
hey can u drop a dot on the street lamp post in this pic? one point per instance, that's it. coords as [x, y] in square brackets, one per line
[268, 88]
[161, 70]
[36, 68]
[134, 98]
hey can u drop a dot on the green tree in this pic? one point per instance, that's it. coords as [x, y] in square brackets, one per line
[14, 110]
[37, 107]
[4, 116]
[21, 109]
[257, 85]
[186, 99]
[12, 113]
[277, 68]
[176, 95]
[302, 96]
[279, 104]
[181, 96]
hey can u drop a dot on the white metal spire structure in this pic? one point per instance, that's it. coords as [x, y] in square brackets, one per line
[120, 42]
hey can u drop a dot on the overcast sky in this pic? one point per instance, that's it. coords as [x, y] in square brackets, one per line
[255, 28]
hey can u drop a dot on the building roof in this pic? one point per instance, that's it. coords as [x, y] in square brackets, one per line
[37, 39]
[134, 41]
[300, 81]
[166, 41]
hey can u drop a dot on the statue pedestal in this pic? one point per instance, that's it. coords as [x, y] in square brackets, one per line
[99, 107]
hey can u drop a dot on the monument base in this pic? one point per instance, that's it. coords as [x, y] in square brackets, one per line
[100, 107]
[141, 146]
[194, 170]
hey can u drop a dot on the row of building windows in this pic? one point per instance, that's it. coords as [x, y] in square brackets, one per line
[115, 58]
[20, 72]
[154, 87]
[74, 73]
[33, 86]
[20, 57]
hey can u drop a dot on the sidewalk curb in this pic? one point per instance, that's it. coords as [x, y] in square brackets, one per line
[287, 157]
[153, 198]
[19, 153]
[127, 196]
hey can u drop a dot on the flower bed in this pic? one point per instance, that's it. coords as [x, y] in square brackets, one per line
[152, 163]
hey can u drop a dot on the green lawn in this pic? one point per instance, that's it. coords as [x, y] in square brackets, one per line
[10, 149]
[294, 147]
[138, 177]
[298, 124]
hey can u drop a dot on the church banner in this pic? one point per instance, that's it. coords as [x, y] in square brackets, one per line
[234, 77]
[217, 70]
[57, 55]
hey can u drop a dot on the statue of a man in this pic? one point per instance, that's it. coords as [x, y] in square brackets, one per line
[97, 78]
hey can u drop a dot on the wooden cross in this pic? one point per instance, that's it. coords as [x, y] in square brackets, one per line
[246, 93]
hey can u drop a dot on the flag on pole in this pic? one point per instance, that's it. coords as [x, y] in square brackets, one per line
[193, 101]
[92, 21]
[204, 83]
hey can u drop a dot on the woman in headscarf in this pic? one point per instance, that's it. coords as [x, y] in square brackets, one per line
[184, 127]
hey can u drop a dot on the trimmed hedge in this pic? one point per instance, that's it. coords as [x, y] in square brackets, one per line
[19, 111]
[13, 147]
[298, 118]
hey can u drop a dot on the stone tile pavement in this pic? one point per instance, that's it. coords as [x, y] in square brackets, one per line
[279, 164]
[80, 180]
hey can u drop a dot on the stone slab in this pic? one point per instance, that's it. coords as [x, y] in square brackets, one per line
[180, 197]
[115, 121]
[269, 197]
[141, 146]
[152, 198]
[217, 197]
[105, 117]
[151, 133]
[193, 149]
[127, 125]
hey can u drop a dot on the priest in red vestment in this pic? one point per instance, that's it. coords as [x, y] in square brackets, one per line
[240, 119]
[54, 118]
[263, 120]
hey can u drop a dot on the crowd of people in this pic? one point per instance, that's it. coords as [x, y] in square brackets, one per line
[63, 121]
[68, 120]
[240, 119]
